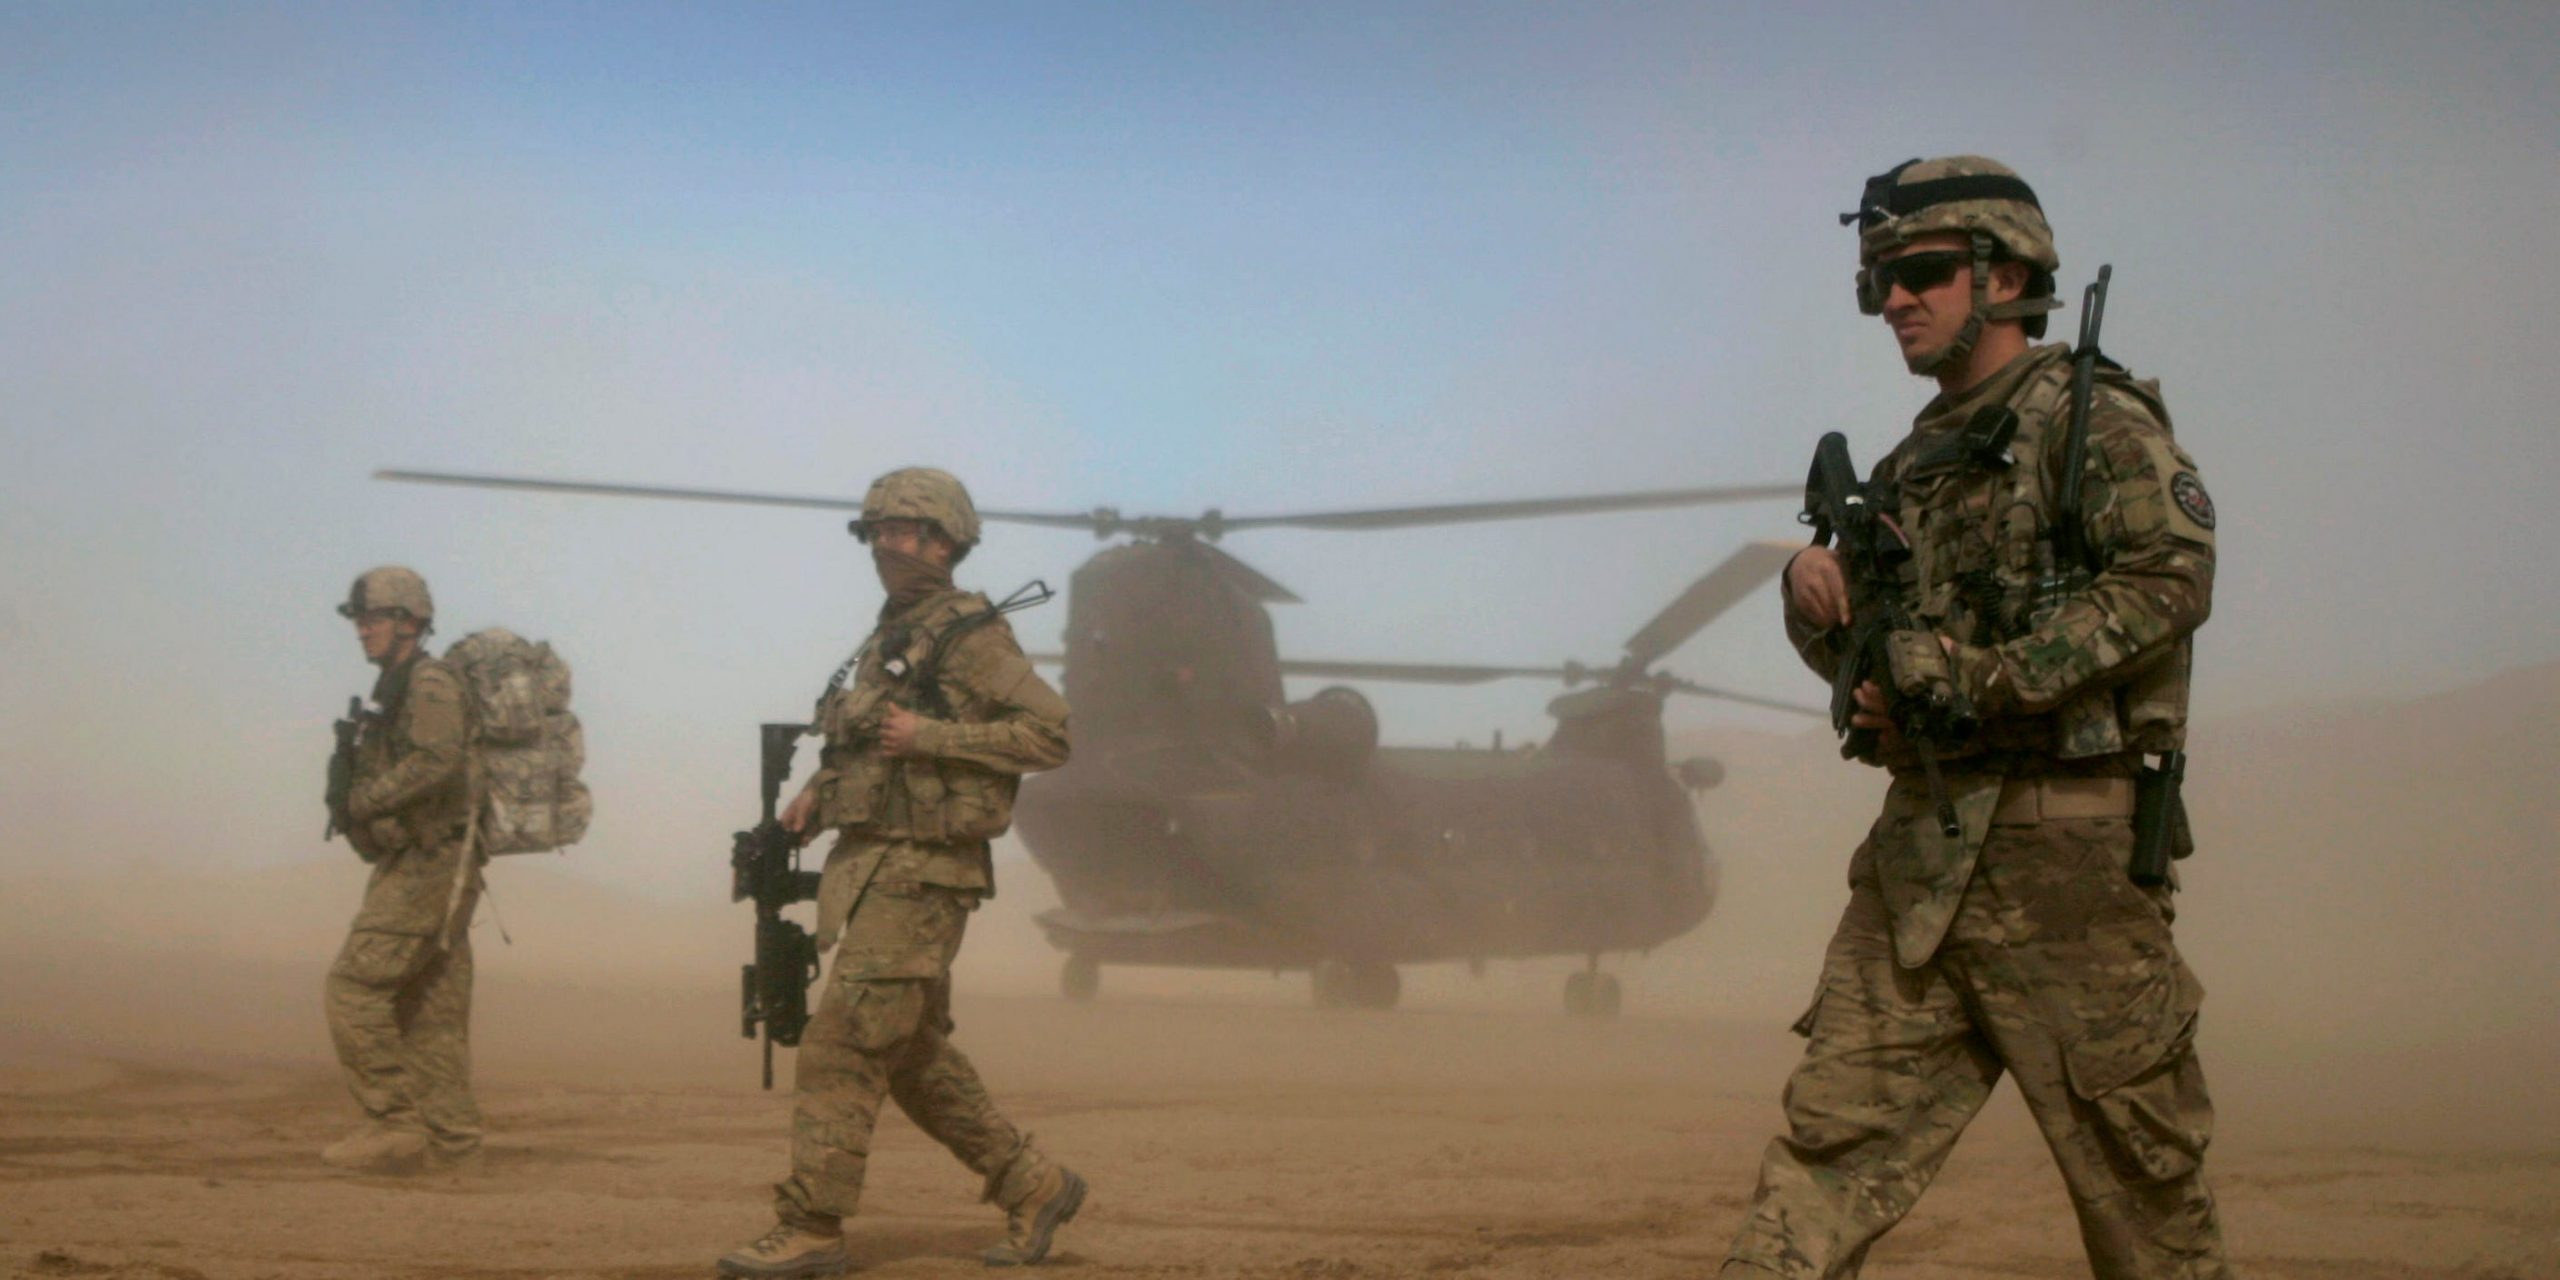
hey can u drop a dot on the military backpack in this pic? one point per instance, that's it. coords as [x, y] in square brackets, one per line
[528, 743]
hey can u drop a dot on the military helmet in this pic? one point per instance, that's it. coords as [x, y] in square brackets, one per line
[921, 493]
[1975, 196]
[389, 587]
[1970, 194]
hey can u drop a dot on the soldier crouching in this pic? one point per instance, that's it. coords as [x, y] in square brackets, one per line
[924, 749]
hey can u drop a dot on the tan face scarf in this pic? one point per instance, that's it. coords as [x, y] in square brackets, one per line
[908, 579]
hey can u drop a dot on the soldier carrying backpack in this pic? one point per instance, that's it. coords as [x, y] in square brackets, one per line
[461, 757]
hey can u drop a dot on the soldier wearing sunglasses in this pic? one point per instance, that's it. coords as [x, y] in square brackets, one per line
[2019, 946]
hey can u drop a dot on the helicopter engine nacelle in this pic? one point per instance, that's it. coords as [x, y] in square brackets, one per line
[1335, 731]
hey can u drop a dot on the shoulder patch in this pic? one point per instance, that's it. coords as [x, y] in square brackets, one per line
[2188, 492]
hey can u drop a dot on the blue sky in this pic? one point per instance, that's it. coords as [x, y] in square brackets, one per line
[1170, 257]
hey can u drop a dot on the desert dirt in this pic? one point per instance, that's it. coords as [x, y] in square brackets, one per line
[1221, 1140]
[2371, 922]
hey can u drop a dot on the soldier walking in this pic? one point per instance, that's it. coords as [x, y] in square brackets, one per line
[2019, 945]
[398, 998]
[924, 749]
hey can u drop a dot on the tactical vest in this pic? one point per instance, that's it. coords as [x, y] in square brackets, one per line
[1979, 541]
[440, 817]
[911, 798]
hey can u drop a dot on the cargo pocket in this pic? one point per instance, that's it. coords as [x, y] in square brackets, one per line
[378, 961]
[1803, 1025]
[885, 1014]
[901, 931]
[2137, 1072]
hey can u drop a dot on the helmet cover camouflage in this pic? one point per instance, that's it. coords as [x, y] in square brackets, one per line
[389, 587]
[921, 493]
[1953, 193]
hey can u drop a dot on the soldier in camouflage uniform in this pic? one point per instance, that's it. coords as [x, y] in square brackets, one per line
[2019, 946]
[399, 996]
[924, 749]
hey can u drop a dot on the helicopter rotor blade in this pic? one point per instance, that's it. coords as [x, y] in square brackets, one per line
[1096, 520]
[1524, 509]
[600, 489]
[1676, 684]
[1415, 672]
[1420, 672]
[1106, 521]
[1742, 573]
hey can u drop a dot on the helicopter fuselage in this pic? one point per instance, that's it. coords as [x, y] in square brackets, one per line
[1206, 822]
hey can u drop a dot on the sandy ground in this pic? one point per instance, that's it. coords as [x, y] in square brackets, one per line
[1252, 1138]
[2372, 922]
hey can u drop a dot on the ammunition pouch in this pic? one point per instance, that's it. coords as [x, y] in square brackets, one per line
[851, 795]
[1927, 704]
[927, 817]
[2088, 726]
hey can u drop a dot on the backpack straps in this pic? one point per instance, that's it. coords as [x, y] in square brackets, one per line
[926, 679]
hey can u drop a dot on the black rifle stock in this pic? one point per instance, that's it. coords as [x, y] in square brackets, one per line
[1919, 690]
[764, 868]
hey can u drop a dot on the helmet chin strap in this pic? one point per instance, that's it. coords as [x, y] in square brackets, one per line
[1983, 309]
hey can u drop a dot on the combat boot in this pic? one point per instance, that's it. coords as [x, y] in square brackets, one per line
[787, 1252]
[377, 1149]
[1052, 1201]
[467, 1163]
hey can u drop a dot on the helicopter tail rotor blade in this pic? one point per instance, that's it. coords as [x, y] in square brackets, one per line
[1742, 573]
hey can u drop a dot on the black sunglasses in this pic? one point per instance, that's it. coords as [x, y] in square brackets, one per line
[1917, 273]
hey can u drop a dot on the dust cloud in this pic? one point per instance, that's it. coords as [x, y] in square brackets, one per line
[2370, 912]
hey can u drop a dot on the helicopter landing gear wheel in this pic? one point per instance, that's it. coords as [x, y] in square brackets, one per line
[1375, 986]
[1340, 984]
[1592, 994]
[1328, 981]
[1080, 979]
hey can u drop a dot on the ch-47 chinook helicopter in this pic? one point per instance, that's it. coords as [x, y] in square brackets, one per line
[1207, 821]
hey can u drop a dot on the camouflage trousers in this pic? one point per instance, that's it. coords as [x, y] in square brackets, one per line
[399, 1010]
[883, 1031]
[2055, 970]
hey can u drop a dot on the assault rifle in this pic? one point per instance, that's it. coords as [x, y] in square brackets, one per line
[2068, 561]
[2068, 564]
[342, 769]
[1884, 643]
[764, 868]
